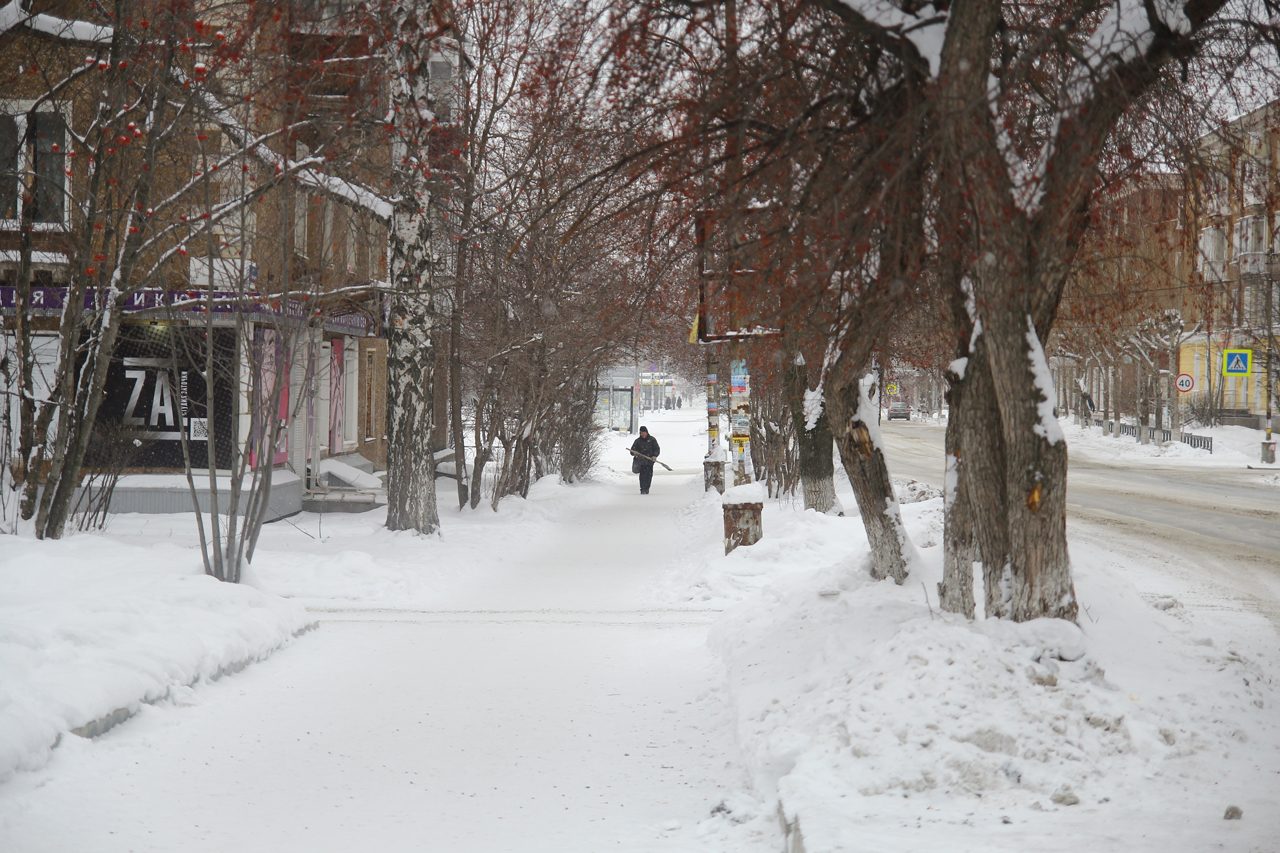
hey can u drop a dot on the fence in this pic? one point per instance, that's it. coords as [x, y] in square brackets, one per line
[1164, 436]
[1203, 442]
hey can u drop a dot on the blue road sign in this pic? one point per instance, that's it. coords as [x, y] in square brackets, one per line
[1237, 362]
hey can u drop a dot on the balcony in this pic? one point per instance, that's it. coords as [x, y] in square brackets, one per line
[1250, 263]
[1213, 270]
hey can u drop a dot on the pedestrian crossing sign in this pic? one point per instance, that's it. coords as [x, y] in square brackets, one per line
[1237, 362]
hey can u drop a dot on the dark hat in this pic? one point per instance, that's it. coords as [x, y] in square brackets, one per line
[644, 429]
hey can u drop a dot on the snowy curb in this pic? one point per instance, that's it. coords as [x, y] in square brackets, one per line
[110, 720]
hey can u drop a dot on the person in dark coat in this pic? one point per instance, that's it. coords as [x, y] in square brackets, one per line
[648, 445]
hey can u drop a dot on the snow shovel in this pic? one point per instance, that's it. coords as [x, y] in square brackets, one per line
[651, 459]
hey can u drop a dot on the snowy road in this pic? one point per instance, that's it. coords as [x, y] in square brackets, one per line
[554, 704]
[1217, 528]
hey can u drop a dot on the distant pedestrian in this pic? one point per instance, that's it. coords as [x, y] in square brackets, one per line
[679, 402]
[643, 451]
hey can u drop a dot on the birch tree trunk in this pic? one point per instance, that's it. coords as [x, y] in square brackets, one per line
[411, 490]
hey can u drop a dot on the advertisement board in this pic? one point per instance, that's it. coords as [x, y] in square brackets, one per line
[156, 390]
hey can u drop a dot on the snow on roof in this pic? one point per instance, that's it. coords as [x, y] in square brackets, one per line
[12, 256]
[12, 14]
[82, 31]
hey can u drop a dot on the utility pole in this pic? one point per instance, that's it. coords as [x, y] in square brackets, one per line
[1268, 443]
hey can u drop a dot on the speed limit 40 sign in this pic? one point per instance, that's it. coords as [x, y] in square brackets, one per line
[1184, 382]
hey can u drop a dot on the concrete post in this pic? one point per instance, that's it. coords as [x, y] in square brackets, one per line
[713, 475]
[742, 524]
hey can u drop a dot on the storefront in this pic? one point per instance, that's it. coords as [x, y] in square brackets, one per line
[195, 378]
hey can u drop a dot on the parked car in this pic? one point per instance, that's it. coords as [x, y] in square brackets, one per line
[899, 409]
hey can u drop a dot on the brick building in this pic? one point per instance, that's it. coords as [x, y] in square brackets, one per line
[288, 269]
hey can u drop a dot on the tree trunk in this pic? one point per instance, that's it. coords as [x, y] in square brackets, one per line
[1113, 402]
[455, 381]
[411, 492]
[1141, 416]
[959, 542]
[1038, 572]
[73, 441]
[411, 489]
[817, 459]
[858, 438]
[980, 443]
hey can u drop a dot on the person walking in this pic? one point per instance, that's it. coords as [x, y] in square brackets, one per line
[645, 445]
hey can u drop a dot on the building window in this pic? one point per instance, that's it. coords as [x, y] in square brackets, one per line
[9, 169]
[38, 157]
[1212, 254]
[1253, 174]
[301, 203]
[349, 243]
[327, 235]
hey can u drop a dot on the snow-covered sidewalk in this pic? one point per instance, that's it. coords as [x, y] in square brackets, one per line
[539, 679]
[525, 682]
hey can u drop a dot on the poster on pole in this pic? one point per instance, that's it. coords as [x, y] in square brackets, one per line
[740, 415]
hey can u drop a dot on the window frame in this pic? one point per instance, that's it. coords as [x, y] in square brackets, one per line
[301, 207]
[19, 109]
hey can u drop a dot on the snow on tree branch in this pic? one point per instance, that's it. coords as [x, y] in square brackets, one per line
[340, 188]
[925, 29]
[1126, 33]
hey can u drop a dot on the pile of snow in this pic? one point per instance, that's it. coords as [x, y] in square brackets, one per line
[747, 493]
[90, 629]
[880, 723]
[348, 474]
[914, 491]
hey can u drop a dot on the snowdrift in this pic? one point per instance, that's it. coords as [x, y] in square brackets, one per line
[90, 629]
[878, 722]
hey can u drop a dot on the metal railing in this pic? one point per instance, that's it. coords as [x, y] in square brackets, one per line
[1164, 436]
[1203, 442]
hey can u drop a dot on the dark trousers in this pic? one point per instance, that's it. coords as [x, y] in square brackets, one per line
[646, 477]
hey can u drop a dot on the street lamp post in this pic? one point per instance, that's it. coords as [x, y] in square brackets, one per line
[1273, 272]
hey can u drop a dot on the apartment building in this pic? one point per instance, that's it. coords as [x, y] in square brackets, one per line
[1234, 209]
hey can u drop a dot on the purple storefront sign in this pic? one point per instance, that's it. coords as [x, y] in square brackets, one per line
[53, 299]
